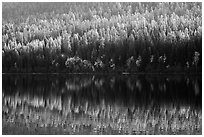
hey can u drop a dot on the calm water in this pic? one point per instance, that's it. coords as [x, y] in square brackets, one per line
[102, 104]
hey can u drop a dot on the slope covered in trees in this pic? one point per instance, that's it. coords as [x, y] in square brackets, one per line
[102, 37]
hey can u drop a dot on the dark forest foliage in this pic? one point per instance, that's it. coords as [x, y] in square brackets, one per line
[102, 37]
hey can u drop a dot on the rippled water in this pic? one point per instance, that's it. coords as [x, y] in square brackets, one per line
[102, 104]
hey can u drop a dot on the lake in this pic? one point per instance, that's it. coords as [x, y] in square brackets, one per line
[101, 104]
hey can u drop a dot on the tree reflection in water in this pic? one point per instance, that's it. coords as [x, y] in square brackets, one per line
[97, 104]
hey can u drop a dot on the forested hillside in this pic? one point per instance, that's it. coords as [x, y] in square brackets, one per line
[102, 37]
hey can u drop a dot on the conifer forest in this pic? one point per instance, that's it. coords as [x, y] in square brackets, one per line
[102, 37]
[101, 68]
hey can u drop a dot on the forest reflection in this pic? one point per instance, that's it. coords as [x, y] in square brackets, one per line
[131, 104]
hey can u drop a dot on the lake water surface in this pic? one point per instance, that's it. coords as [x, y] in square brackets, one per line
[101, 104]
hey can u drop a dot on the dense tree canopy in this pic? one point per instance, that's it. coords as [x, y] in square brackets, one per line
[93, 37]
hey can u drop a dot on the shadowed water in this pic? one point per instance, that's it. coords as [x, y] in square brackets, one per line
[102, 104]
